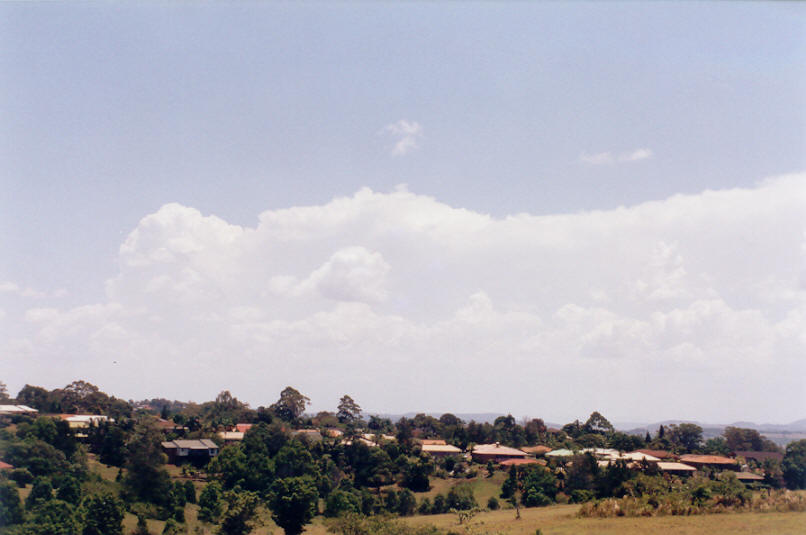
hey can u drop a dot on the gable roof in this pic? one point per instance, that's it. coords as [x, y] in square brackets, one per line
[191, 444]
[675, 467]
[660, 454]
[497, 449]
[537, 450]
[706, 459]
[440, 448]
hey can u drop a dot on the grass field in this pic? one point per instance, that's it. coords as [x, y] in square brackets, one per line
[562, 520]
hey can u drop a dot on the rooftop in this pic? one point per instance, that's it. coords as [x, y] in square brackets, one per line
[497, 449]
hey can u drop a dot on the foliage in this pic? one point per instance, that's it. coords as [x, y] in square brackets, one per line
[54, 517]
[293, 503]
[41, 492]
[461, 497]
[21, 476]
[686, 437]
[341, 501]
[11, 511]
[492, 503]
[69, 490]
[146, 479]
[103, 515]
[210, 502]
[172, 527]
[142, 526]
[348, 411]
[794, 465]
[291, 404]
[356, 524]
[190, 492]
[415, 474]
[239, 517]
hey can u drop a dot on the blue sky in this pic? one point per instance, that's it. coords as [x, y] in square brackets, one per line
[111, 111]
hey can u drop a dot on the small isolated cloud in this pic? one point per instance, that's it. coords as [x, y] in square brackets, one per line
[407, 135]
[608, 158]
[14, 288]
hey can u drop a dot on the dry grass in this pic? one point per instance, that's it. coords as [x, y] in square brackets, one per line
[562, 520]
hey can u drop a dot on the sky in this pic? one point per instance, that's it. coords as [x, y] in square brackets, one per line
[538, 209]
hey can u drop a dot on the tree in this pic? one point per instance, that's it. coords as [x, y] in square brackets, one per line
[794, 465]
[348, 410]
[293, 503]
[142, 526]
[103, 515]
[41, 492]
[686, 436]
[598, 424]
[240, 512]
[190, 492]
[210, 502]
[54, 517]
[69, 490]
[740, 439]
[11, 511]
[146, 479]
[291, 404]
[4, 393]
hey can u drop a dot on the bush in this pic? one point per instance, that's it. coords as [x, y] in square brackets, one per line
[582, 496]
[340, 502]
[21, 476]
[492, 504]
[461, 498]
[41, 492]
[11, 511]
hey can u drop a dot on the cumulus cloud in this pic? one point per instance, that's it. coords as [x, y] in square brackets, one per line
[608, 158]
[407, 136]
[411, 304]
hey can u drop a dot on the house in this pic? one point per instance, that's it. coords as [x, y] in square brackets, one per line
[537, 451]
[441, 450]
[431, 441]
[748, 478]
[197, 450]
[660, 454]
[242, 428]
[312, 435]
[230, 436]
[521, 462]
[483, 453]
[168, 426]
[560, 454]
[84, 421]
[14, 410]
[711, 461]
[674, 468]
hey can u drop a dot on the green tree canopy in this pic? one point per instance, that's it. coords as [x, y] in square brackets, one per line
[293, 503]
[291, 404]
[348, 410]
[103, 515]
[794, 465]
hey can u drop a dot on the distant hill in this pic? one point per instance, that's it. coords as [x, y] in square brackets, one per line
[781, 434]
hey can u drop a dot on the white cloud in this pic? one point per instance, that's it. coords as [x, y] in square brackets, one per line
[608, 158]
[411, 304]
[407, 136]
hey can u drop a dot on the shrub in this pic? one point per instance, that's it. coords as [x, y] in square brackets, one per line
[492, 504]
[21, 476]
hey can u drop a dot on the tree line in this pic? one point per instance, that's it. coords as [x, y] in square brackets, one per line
[280, 471]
